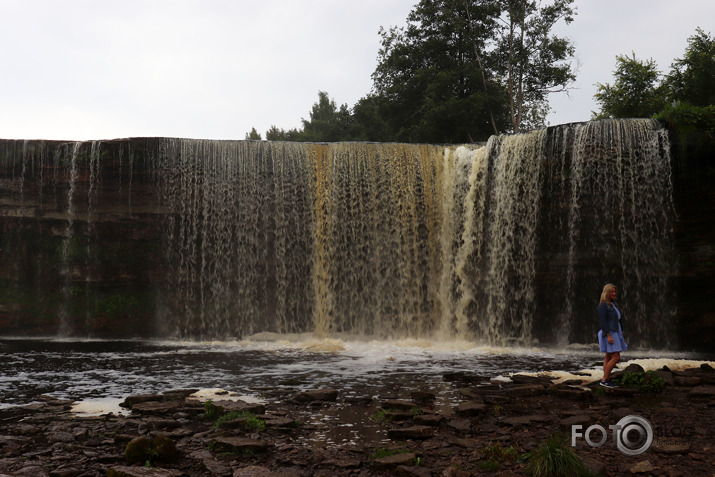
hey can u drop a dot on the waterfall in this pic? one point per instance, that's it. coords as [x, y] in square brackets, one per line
[509, 242]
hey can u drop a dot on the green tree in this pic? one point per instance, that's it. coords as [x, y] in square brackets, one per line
[253, 135]
[533, 62]
[428, 82]
[692, 78]
[275, 134]
[327, 122]
[462, 70]
[636, 92]
[369, 120]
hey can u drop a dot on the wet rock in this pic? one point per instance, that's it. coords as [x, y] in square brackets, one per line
[342, 463]
[496, 399]
[525, 420]
[130, 401]
[642, 467]
[413, 471]
[392, 461]
[156, 407]
[398, 416]
[595, 467]
[138, 450]
[471, 408]
[66, 472]
[462, 377]
[398, 405]
[276, 422]
[683, 448]
[687, 381]
[526, 379]
[583, 420]
[223, 407]
[339, 440]
[157, 449]
[575, 393]
[317, 395]
[123, 471]
[633, 368]
[413, 432]
[240, 445]
[423, 397]
[702, 392]
[462, 425]
[258, 471]
[429, 419]
[525, 390]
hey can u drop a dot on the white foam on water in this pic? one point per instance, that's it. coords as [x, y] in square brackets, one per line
[99, 407]
[218, 394]
[652, 364]
[596, 373]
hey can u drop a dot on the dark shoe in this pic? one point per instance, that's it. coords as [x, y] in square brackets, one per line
[608, 384]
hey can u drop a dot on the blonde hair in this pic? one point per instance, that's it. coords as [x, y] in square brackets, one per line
[606, 292]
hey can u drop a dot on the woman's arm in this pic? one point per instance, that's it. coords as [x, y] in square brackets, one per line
[603, 318]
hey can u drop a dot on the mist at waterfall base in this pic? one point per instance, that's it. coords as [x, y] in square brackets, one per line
[388, 261]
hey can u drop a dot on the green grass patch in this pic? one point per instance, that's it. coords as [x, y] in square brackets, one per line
[650, 381]
[555, 458]
[382, 452]
[251, 423]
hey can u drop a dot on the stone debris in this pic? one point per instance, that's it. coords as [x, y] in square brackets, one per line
[471, 427]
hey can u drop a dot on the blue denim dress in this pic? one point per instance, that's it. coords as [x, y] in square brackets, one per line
[619, 344]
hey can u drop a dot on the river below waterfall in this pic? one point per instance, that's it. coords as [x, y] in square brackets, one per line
[103, 372]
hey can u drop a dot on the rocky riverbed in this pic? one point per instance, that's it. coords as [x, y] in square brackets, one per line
[485, 427]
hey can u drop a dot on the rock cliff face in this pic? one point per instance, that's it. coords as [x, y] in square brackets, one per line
[508, 243]
[693, 179]
[81, 224]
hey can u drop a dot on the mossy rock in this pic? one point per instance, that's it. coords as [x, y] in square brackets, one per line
[164, 448]
[158, 449]
[138, 451]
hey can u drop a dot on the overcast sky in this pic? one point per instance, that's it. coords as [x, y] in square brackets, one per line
[104, 69]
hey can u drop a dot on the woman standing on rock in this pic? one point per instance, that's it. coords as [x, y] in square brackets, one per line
[610, 336]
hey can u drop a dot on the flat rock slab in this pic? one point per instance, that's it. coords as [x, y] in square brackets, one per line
[573, 392]
[320, 395]
[583, 420]
[240, 406]
[398, 405]
[524, 390]
[414, 432]
[525, 420]
[392, 461]
[471, 408]
[258, 471]
[702, 392]
[240, 444]
[137, 471]
[429, 419]
[672, 448]
[130, 401]
[157, 407]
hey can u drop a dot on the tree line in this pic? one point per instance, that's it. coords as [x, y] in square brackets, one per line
[684, 97]
[463, 70]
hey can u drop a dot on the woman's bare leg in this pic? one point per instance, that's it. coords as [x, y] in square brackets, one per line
[609, 362]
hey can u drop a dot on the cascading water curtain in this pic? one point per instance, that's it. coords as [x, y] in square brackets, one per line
[621, 218]
[506, 243]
